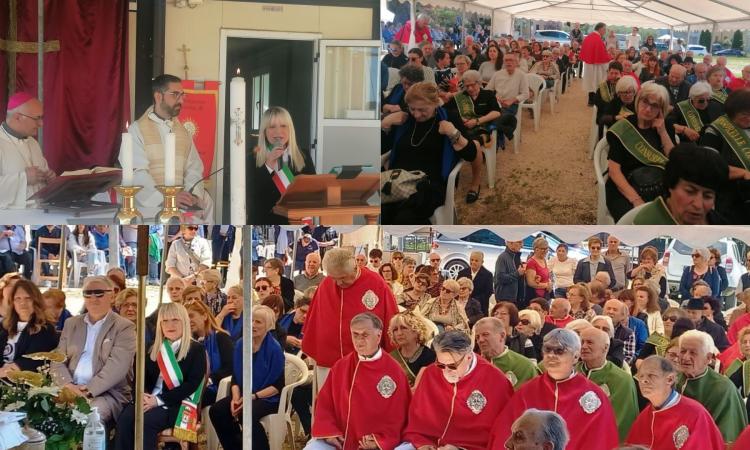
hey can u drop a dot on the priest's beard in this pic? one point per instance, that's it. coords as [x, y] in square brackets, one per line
[451, 377]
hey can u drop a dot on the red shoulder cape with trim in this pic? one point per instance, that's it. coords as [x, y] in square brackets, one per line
[368, 411]
[596, 430]
[593, 50]
[434, 413]
[327, 336]
[660, 429]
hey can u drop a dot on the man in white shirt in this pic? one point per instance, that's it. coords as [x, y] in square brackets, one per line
[633, 39]
[149, 133]
[511, 89]
[23, 169]
[188, 255]
[99, 346]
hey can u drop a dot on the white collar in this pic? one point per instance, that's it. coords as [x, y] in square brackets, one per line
[155, 118]
[98, 322]
[374, 357]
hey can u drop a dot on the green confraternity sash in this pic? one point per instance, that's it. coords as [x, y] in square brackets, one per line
[660, 342]
[410, 376]
[691, 115]
[744, 366]
[465, 106]
[636, 145]
[720, 96]
[604, 92]
[736, 138]
[186, 425]
[625, 111]
[655, 213]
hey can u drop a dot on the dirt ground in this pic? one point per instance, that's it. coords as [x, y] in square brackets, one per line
[550, 180]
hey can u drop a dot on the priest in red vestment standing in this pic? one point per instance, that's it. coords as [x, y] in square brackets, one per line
[364, 402]
[346, 291]
[583, 405]
[457, 399]
[671, 421]
[595, 60]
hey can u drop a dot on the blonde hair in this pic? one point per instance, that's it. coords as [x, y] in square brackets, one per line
[123, 295]
[422, 91]
[278, 113]
[172, 311]
[413, 322]
[535, 320]
[266, 314]
[651, 89]
[210, 322]
[236, 288]
[211, 275]
[539, 243]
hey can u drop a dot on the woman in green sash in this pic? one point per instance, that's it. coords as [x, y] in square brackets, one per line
[715, 77]
[676, 322]
[739, 370]
[691, 115]
[623, 105]
[638, 149]
[175, 373]
[410, 333]
[730, 136]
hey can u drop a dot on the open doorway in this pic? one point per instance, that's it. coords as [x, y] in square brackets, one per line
[278, 72]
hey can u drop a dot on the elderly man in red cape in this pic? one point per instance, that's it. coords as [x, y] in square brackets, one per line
[364, 403]
[595, 60]
[583, 405]
[671, 421]
[346, 291]
[457, 399]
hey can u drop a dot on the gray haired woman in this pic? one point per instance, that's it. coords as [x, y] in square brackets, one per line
[691, 115]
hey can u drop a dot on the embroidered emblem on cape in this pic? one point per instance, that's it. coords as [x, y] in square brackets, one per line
[680, 436]
[511, 377]
[476, 402]
[590, 402]
[386, 386]
[606, 390]
[370, 299]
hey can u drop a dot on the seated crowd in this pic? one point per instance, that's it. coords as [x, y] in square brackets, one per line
[589, 349]
[190, 347]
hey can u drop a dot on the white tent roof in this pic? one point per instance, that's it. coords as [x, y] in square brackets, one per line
[695, 236]
[726, 14]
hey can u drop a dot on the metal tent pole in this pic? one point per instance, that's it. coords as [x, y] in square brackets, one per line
[247, 325]
[140, 338]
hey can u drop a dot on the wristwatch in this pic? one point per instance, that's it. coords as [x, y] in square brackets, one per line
[455, 137]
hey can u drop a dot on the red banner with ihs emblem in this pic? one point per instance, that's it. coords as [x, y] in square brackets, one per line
[199, 117]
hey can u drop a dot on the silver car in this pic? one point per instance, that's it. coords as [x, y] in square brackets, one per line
[454, 253]
[678, 256]
[553, 36]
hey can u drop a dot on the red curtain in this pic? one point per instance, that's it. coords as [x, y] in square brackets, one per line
[86, 90]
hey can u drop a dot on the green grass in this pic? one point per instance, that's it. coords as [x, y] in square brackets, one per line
[736, 64]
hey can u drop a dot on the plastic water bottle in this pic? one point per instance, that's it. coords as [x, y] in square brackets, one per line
[94, 435]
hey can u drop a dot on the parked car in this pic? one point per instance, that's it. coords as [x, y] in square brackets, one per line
[552, 35]
[730, 52]
[455, 253]
[698, 50]
[715, 47]
[678, 256]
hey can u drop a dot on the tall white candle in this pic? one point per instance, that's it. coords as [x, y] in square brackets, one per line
[237, 150]
[169, 159]
[126, 158]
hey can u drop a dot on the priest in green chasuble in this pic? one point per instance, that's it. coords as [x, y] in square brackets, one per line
[713, 390]
[614, 381]
[490, 336]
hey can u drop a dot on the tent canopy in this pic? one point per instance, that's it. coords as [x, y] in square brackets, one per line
[724, 14]
[695, 236]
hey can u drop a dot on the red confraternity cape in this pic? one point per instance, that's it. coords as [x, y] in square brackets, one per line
[683, 424]
[593, 50]
[583, 405]
[458, 414]
[327, 335]
[361, 397]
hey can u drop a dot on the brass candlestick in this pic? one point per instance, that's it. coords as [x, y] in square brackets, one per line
[170, 213]
[128, 213]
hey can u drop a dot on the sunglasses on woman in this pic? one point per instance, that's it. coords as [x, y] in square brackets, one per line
[525, 322]
[669, 318]
[262, 288]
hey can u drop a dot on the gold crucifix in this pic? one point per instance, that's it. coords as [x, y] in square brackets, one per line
[184, 50]
[12, 46]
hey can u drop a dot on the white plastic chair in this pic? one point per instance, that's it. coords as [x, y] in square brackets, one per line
[74, 276]
[446, 213]
[277, 425]
[594, 133]
[517, 132]
[212, 440]
[603, 217]
[553, 94]
[536, 84]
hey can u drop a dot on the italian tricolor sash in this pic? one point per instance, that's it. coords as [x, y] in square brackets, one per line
[720, 96]
[186, 425]
[691, 115]
[736, 138]
[605, 92]
[655, 213]
[637, 145]
[283, 178]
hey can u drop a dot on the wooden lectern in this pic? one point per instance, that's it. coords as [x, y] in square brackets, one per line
[335, 201]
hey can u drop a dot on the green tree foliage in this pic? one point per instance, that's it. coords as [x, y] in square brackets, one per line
[737, 40]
